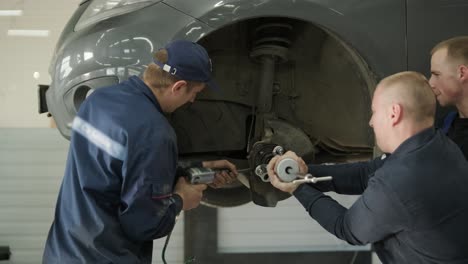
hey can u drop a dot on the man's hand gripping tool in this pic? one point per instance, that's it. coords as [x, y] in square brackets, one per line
[288, 170]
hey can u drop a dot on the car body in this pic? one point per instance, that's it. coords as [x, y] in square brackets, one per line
[295, 73]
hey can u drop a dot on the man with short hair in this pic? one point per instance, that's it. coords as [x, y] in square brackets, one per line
[449, 81]
[413, 206]
[120, 189]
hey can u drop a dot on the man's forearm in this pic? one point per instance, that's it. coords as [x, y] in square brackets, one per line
[326, 211]
[348, 178]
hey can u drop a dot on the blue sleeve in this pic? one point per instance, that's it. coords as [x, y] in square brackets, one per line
[448, 121]
[148, 206]
[375, 215]
[349, 178]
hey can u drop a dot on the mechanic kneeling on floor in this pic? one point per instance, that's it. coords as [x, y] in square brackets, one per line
[414, 202]
[119, 191]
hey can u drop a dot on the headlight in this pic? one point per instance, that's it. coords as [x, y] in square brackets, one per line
[100, 10]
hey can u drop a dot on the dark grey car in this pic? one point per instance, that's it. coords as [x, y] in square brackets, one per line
[295, 73]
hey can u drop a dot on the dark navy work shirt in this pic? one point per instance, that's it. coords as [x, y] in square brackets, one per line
[456, 128]
[116, 195]
[458, 132]
[413, 207]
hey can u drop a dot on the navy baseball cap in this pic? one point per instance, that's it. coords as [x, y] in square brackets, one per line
[188, 61]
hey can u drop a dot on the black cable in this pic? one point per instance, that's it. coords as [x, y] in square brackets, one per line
[354, 257]
[163, 255]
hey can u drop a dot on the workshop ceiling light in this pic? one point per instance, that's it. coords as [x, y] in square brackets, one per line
[28, 33]
[11, 12]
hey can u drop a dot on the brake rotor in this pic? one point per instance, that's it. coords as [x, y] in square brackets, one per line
[263, 193]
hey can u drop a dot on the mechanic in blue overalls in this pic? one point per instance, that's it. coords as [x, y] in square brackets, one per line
[449, 81]
[120, 190]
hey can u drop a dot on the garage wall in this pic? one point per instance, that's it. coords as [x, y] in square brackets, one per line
[285, 228]
[32, 163]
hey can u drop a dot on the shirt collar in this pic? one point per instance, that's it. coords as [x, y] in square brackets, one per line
[415, 142]
[142, 87]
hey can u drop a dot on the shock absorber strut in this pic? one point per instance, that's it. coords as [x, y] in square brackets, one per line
[271, 46]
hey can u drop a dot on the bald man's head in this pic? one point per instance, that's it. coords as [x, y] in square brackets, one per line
[413, 92]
